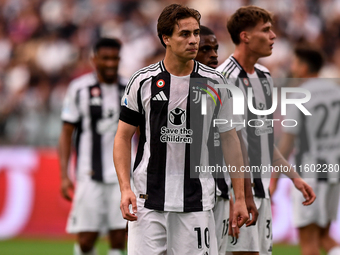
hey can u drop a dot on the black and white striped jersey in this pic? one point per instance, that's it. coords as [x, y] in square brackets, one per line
[172, 140]
[258, 140]
[94, 109]
[317, 148]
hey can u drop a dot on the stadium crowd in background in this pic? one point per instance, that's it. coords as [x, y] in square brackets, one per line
[45, 43]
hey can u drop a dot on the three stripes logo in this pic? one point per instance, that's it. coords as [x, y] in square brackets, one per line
[160, 97]
[201, 97]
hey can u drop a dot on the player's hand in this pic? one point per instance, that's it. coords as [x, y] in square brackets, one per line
[128, 198]
[232, 231]
[273, 186]
[66, 186]
[240, 214]
[306, 190]
[251, 208]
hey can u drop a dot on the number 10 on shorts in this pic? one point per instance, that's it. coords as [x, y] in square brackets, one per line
[199, 237]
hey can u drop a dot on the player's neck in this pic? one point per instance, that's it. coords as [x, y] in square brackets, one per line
[177, 66]
[245, 59]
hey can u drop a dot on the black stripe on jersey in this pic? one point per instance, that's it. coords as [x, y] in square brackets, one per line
[130, 116]
[303, 146]
[96, 113]
[142, 137]
[144, 70]
[226, 67]
[156, 170]
[162, 66]
[212, 71]
[196, 65]
[236, 63]
[254, 142]
[141, 143]
[269, 103]
[234, 66]
[233, 69]
[192, 184]
[135, 75]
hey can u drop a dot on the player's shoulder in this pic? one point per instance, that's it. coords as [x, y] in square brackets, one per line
[262, 68]
[223, 65]
[321, 86]
[145, 73]
[207, 71]
[83, 81]
[230, 68]
[148, 71]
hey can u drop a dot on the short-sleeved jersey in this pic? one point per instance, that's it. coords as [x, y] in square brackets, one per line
[94, 109]
[164, 172]
[258, 135]
[318, 135]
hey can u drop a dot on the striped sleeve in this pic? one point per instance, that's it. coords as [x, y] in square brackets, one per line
[131, 112]
[70, 111]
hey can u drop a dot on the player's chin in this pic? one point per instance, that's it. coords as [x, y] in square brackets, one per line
[191, 54]
[213, 65]
[109, 78]
[270, 51]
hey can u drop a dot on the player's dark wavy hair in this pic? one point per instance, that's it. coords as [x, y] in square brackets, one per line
[107, 43]
[170, 16]
[244, 18]
[205, 31]
[310, 55]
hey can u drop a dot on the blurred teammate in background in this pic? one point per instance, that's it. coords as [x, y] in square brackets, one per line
[170, 212]
[90, 117]
[251, 31]
[207, 49]
[316, 140]
[207, 55]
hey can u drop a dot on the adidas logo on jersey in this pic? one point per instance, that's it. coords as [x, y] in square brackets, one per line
[160, 97]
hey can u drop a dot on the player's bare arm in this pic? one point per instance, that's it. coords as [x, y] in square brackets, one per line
[233, 156]
[286, 146]
[249, 198]
[299, 183]
[122, 161]
[64, 151]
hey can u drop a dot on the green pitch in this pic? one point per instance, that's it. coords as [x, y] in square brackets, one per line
[65, 247]
[43, 247]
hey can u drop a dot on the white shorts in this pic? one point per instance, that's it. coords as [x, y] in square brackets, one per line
[256, 238]
[322, 211]
[221, 214]
[172, 233]
[95, 208]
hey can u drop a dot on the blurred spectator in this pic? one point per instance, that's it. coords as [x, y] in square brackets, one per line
[49, 39]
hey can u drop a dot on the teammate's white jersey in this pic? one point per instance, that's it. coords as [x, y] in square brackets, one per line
[94, 108]
[172, 138]
[318, 146]
[259, 141]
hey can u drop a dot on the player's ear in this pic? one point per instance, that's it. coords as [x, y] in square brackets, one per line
[244, 36]
[166, 39]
